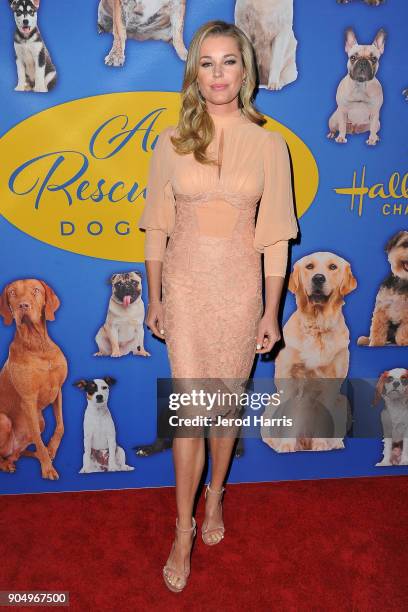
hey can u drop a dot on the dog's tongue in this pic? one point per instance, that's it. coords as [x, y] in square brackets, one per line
[126, 300]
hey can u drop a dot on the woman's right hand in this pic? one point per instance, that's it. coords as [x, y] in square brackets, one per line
[155, 318]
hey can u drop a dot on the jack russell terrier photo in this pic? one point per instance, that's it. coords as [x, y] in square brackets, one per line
[101, 451]
[35, 70]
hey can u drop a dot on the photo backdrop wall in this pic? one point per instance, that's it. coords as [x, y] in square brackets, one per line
[80, 114]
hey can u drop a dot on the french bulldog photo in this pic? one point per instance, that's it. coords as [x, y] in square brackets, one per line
[35, 70]
[141, 20]
[101, 451]
[269, 25]
[123, 332]
[392, 387]
[359, 95]
[369, 2]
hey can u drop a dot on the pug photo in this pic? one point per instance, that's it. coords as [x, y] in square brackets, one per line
[123, 332]
[359, 95]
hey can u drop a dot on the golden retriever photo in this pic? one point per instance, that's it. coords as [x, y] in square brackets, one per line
[314, 362]
[32, 376]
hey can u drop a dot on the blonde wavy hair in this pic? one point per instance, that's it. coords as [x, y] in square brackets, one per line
[195, 126]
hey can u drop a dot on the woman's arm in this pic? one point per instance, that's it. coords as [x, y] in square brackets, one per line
[276, 224]
[157, 219]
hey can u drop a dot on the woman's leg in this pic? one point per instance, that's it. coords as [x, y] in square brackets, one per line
[188, 457]
[221, 450]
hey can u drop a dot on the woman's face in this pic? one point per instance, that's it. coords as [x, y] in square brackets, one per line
[220, 71]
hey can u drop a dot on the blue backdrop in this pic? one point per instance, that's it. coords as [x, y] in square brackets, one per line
[69, 28]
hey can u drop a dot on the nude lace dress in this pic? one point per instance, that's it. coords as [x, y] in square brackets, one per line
[212, 274]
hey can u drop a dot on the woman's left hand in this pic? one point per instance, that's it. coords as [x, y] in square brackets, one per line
[268, 333]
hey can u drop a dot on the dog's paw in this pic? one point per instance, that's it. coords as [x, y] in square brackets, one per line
[116, 354]
[372, 140]
[331, 135]
[376, 342]
[287, 447]
[320, 445]
[8, 466]
[274, 85]
[141, 353]
[49, 472]
[341, 139]
[114, 468]
[382, 463]
[115, 58]
[20, 87]
[40, 89]
[127, 468]
[273, 443]
[100, 354]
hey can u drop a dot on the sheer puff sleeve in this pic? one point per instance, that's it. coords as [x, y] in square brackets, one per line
[276, 222]
[158, 216]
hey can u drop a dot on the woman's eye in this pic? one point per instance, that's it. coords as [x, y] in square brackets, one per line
[231, 61]
[205, 65]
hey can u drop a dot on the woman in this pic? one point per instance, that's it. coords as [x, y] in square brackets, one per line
[217, 168]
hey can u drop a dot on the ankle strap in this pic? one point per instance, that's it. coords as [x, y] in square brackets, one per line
[187, 530]
[214, 491]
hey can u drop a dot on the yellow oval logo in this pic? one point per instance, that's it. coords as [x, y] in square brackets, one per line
[74, 176]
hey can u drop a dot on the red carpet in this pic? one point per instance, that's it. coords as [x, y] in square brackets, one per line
[337, 544]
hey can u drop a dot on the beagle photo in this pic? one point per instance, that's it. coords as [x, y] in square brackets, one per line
[314, 362]
[269, 25]
[141, 20]
[392, 387]
[389, 323]
[31, 378]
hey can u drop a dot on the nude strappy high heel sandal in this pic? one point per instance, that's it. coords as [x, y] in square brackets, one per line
[169, 572]
[205, 531]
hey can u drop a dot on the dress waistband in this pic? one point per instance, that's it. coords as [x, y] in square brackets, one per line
[239, 200]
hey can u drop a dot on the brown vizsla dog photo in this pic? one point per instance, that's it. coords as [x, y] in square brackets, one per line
[31, 377]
